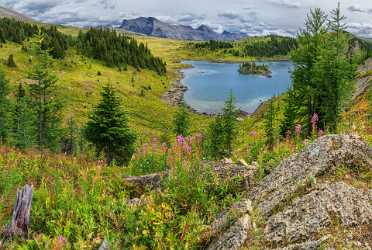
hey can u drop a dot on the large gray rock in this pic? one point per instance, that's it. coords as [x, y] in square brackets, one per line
[311, 214]
[319, 158]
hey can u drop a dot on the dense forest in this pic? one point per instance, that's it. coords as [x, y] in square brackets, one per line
[272, 46]
[267, 46]
[118, 50]
[103, 44]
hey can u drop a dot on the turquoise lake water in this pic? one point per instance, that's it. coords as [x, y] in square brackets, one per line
[210, 84]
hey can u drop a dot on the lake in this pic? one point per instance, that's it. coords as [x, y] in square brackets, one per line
[209, 85]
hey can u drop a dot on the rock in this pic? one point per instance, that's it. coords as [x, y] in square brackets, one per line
[139, 184]
[317, 211]
[104, 246]
[363, 83]
[319, 158]
[135, 202]
[174, 96]
[234, 237]
[308, 245]
[227, 217]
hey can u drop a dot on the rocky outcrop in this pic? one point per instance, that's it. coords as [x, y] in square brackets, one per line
[139, 184]
[300, 212]
[365, 81]
[326, 206]
[174, 96]
[319, 158]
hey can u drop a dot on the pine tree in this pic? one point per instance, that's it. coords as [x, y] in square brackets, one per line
[70, 140]
[269, 119]
[44, 100]
[182, 122]
[107, 129]
[288, 123]
[4, 109]
[10, 62]
[24, 129]
[229, 117]
[215, 143]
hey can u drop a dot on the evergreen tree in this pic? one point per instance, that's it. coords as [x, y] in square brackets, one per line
[44, 100]
[215, 143]
[229, 117]
[70, 140]
[10, 62]
[269, 119]
[288, 123]
[182, 122]
[24, 129]
[108, 129]
[222, 131]
[4, 109]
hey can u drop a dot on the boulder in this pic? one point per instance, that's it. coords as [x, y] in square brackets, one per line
[317, 159]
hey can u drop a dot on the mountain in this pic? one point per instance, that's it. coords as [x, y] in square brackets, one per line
[4, 12]
[153, 27]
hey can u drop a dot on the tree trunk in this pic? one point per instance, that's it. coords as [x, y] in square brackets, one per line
[21, 214]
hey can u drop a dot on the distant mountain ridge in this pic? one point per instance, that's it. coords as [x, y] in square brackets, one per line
[153, 27]
[4, 12]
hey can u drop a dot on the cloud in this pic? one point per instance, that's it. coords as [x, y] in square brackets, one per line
[357, 8]
[361, 29]
[286, 3]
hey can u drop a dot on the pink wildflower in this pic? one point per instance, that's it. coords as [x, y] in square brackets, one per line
[188, 148]
[180, 139]
[288, 134]
[314, 120]
[145, 149]
[253, 133]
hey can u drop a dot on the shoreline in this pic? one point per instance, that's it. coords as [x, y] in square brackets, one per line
[175, 95]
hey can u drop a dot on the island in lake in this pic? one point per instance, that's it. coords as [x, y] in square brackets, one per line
[251, 68]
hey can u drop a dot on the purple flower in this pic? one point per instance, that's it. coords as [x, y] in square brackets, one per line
[180, 139]
[314, 120]
[253, 133]
[187, 148]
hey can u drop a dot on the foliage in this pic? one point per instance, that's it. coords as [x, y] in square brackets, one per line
[222, 131]
[24, 120]
[252, 68]
[4, 109]
[213, 45]
[10, 62]
[182, 122]
[118, 50]
[322, 75]
[273, 46]
[108, 129]
[44, 100]
[269, 119]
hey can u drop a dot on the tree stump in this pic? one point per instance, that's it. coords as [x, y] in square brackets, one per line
[21, 214]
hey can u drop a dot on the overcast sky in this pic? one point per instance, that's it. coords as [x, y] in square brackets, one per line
[255, 17]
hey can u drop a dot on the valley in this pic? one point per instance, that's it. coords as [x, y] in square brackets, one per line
[155, 135]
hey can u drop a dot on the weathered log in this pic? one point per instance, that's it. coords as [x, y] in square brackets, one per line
[21, 214]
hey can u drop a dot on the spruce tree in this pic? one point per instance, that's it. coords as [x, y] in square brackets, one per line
[44, 100]
[229, 117]
[215, 143]
[24, 121]
[182, 122]
[289, 120]
[269, 119]
[107, 129]
[4, 109]
[10, 62]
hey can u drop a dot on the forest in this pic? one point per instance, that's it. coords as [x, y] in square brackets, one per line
[108, 46]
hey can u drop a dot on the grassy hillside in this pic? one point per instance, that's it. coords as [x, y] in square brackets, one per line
[81, 78]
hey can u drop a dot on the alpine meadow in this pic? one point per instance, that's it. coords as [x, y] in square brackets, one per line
[129, 125]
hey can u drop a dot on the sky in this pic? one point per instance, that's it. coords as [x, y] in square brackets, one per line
[254, 17]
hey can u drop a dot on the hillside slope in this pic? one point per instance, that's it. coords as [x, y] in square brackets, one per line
[4, 12]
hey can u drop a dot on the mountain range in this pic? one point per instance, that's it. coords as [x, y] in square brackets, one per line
[151, 26]
[4, 12]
